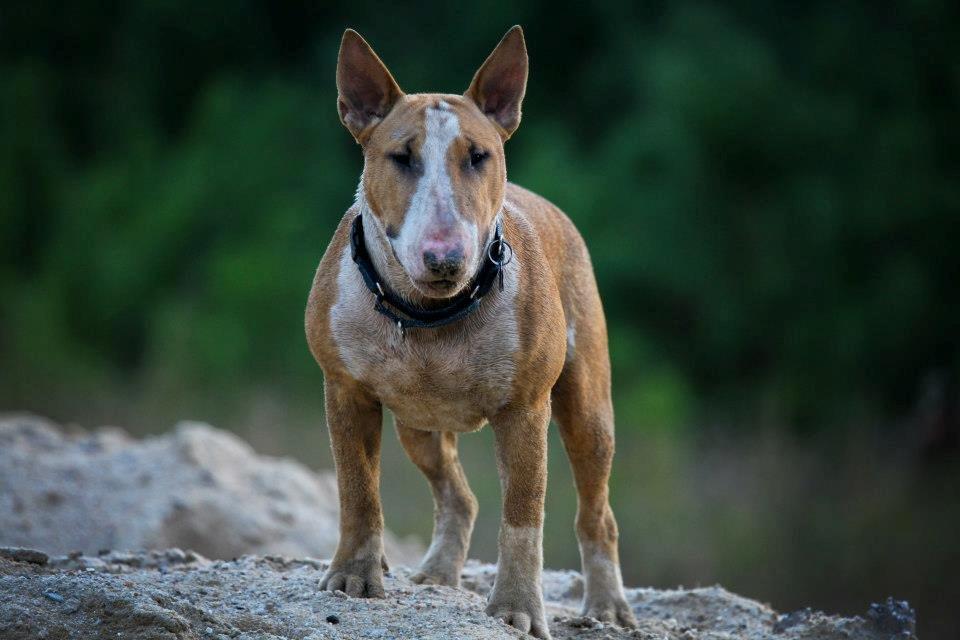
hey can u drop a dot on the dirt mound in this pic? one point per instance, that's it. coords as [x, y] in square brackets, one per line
[196, 488]
[177, 595]
[204, 489]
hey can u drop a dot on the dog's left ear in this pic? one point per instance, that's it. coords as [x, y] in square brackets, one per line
[499, 84]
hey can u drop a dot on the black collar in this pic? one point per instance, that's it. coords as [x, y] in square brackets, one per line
[406, 316]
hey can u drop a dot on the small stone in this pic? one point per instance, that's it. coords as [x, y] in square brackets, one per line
[893, 617]
[793, 619]
[333, 619]
[19, 554]
[52, 595]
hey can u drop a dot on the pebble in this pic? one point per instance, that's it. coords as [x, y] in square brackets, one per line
[19, 554]
[53, 595]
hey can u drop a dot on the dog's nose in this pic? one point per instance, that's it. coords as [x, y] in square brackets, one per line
[443, 261]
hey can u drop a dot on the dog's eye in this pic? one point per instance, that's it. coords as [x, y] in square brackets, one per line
[401, 159]
[477, 158]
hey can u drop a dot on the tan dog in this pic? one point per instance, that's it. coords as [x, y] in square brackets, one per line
[392, 323]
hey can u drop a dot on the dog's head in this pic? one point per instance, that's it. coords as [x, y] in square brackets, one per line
[434, 172]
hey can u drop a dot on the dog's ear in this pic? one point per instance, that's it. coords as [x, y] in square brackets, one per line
[366, 90]
[499, 84]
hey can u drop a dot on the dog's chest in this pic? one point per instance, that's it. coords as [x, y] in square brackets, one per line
[435, 379]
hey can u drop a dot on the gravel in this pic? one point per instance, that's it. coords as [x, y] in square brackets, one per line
[176, 594]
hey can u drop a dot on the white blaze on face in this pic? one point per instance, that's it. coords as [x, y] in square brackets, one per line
[433, 204]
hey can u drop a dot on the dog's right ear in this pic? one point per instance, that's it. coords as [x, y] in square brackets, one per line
[366, 90]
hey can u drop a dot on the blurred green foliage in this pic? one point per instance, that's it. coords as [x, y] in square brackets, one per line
[769, 190]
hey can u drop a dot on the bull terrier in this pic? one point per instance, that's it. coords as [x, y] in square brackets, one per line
[455, 299]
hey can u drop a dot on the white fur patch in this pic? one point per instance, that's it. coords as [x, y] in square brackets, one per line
[601, 573]
[451, 378]
[517, 588]
[433, 201]
[521, 548]
[372, 546]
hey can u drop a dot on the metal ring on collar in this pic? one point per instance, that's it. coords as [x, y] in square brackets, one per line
[503, 245]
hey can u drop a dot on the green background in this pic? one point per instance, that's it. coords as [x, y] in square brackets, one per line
[769, 191]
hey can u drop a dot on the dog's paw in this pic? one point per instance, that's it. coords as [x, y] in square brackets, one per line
[361, 578]
[441, 570]
[527, 617]
[614, 610]
[435, 577]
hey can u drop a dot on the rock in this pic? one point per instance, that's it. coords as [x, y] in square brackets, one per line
[23, 555]
[195, 488]
[894, 617]
[162, 594]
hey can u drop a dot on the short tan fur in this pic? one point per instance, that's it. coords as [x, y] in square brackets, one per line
[434, 181]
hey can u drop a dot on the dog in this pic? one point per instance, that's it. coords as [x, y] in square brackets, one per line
[455, 299]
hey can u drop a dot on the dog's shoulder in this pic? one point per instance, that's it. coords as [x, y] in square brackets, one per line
[324, 290]
[545, 218]
[539, 233]
[557, 237]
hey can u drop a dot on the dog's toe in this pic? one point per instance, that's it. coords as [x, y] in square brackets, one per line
[616, 612]
[368, 585]
[336, 582]
[524, 621]
[422, 577]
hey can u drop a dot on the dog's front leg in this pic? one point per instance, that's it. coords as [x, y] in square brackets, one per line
[521, 443]
[354, 419]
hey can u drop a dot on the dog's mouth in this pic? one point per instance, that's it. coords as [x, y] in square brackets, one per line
[430, 287]
[440, 287]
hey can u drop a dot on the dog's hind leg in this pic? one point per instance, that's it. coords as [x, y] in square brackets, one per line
[584, 412]
[455, 507]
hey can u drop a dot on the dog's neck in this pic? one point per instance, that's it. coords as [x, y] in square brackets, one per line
[385, 260]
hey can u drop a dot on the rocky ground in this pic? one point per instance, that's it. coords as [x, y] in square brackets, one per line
[174, 594]
[204, 489]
